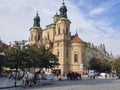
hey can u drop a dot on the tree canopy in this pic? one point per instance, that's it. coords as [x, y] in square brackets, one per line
[2, 58]
[100, 65]
[116, 65]
[24, 56]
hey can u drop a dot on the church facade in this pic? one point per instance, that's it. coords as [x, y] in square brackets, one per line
[71, 50]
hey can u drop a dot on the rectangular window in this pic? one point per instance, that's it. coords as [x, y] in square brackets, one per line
[67, 53]
[38, 37]
[75, 57]
[58, 31]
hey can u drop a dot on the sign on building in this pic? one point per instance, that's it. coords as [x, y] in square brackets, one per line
[81, 67]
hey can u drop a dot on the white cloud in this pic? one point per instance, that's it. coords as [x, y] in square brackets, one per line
[97, 11]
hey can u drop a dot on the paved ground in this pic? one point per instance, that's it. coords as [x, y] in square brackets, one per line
[98, 84]
[6, 82]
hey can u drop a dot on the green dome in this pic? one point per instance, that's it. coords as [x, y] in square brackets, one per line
[63, 7]
[36, 20]
[63, 11]
[37, 17]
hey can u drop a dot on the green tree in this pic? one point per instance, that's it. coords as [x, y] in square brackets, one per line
[2, 59]
[22, 56]
[100, 65]
[94, 64]
[116, 65]
[15, 57]
[45, 58]
[30, 57]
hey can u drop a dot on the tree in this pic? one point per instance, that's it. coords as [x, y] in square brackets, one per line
[100, 65]
[94, 64]
[116, 65]
[30, 57]
[2, 58]
[15, 57]
[21, 56]
[45, 58]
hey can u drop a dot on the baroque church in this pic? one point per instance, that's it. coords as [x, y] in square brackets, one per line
[73, 53]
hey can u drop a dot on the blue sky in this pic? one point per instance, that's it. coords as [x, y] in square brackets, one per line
[96, 21]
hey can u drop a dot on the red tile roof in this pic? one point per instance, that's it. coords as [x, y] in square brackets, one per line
[4, 45]
[76, 38]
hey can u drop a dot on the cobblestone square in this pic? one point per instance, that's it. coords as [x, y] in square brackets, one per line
[84, 84]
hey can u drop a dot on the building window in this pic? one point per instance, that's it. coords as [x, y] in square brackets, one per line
[58, 31]
[38, 37]
[35, 38]
[67, 53]
[66, 30]
[75, 57]
[58, 54]
[57, 44]
[67, 45]
[31, 37]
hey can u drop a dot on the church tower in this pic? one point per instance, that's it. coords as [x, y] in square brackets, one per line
[36, 32]
[62, 24]
[62, 37]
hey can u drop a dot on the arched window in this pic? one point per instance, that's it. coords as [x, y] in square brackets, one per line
[35, 38]
[58, 31]
[31, 37]
[66, 30]
[58, 54]
[38, 37]
[58, 44]
[75, 57]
